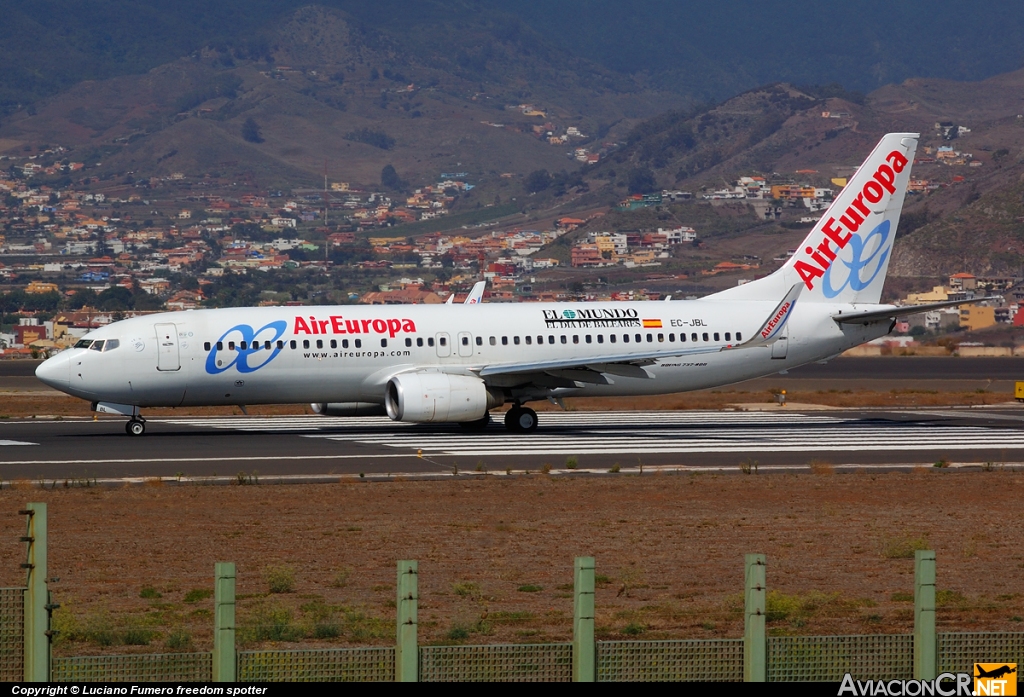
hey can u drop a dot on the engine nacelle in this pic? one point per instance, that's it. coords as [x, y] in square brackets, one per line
[349, 409]
[438, 397]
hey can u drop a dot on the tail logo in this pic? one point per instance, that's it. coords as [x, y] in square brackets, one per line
[879, 252]
[816, 262]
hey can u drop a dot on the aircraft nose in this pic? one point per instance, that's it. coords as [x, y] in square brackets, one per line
[55, 372]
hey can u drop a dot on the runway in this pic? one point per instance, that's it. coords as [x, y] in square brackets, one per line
[289, 446]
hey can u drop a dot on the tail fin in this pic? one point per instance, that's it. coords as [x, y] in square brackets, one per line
[845, 257]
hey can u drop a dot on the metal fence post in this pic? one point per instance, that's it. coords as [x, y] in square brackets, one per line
[37, 639]
[925, 654]
[224, 659]
[407, 660]
[755, 645]
[584, 648]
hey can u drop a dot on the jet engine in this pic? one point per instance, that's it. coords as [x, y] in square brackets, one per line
[348, 409]
[439, 397]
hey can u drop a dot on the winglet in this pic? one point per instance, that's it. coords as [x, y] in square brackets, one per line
[450, 300]
[477, 294]
[776, 321]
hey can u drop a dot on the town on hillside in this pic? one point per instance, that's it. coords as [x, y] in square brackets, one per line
[77, 253]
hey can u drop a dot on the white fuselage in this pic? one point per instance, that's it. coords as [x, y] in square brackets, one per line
[348, 353]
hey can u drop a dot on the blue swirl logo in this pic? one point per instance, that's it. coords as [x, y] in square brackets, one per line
[252, 357]
[877, 253]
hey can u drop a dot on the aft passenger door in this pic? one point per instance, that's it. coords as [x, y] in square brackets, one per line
[781, 345]
[168, 357]
[465, 344]
[443, 343]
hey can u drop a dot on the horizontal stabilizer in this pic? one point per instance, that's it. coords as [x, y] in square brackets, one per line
[895, 311]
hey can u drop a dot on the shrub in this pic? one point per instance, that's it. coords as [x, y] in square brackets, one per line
[280, 579]
[633, 629]
[466, 588]
[197, 594]
[341, 578]
[529, 588]
[179, 640]
[571, 462]
[150, 593]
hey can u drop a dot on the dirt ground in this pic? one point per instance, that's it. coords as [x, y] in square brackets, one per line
[495, 556]
[29, 404]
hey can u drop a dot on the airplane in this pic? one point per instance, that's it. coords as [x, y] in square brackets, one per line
[436, 364]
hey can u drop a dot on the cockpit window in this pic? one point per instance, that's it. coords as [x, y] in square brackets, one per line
[97, 345]
[83, 343]
[111, 345]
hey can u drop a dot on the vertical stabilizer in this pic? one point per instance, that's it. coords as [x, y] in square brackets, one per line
[845, 257]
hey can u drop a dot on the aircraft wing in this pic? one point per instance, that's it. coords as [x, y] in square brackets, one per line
[895, 311]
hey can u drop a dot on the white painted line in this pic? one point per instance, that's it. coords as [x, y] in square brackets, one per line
[16, 442]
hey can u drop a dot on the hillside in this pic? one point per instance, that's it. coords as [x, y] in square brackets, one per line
[327, 82]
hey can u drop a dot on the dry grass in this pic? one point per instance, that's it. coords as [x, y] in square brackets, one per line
[669, 553]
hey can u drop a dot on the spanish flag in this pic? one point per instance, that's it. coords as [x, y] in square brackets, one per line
[652, 324]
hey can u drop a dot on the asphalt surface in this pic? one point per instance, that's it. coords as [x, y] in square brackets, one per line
[301, 446]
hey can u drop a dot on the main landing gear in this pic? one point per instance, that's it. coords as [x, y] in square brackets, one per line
[521, 419]
[136, 426]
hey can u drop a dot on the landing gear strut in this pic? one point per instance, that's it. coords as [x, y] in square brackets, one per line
[136, 426]
[521, 419]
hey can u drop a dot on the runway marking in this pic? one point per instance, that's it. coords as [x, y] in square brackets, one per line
[16, 442]
[639, 433]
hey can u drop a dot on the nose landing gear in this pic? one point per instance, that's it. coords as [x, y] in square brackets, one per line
[521, 419]
[136, 426]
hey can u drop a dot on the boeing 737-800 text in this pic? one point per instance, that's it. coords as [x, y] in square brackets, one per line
[454, 363]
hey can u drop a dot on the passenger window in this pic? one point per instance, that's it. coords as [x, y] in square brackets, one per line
[529, 340]
[291, 343]
[480, 340]
[716, 336]
[319, 343]
[504, 341]
[640, 338]
[419, 341]
[739, 337]
[344, 343]
[408, 342]
[231, 345]
[206, 346]
[589, 339]
[515, 340]
[97, 345]
[672, 337]
[551, 339]
[383, 343]
[494, 341]
[693, 336]
[661, 338]
[575, 338]
[540, 339]
[705, 336]
[600, 338]
[334, 343]
[611, 338]
[625, 338]
[242, 346]
[650, 338]
[444, 341]
[430, 341]
[465, 341]
[266, 345]
[280, 344]
[305, 343]
[359, 343]
[727, 336]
